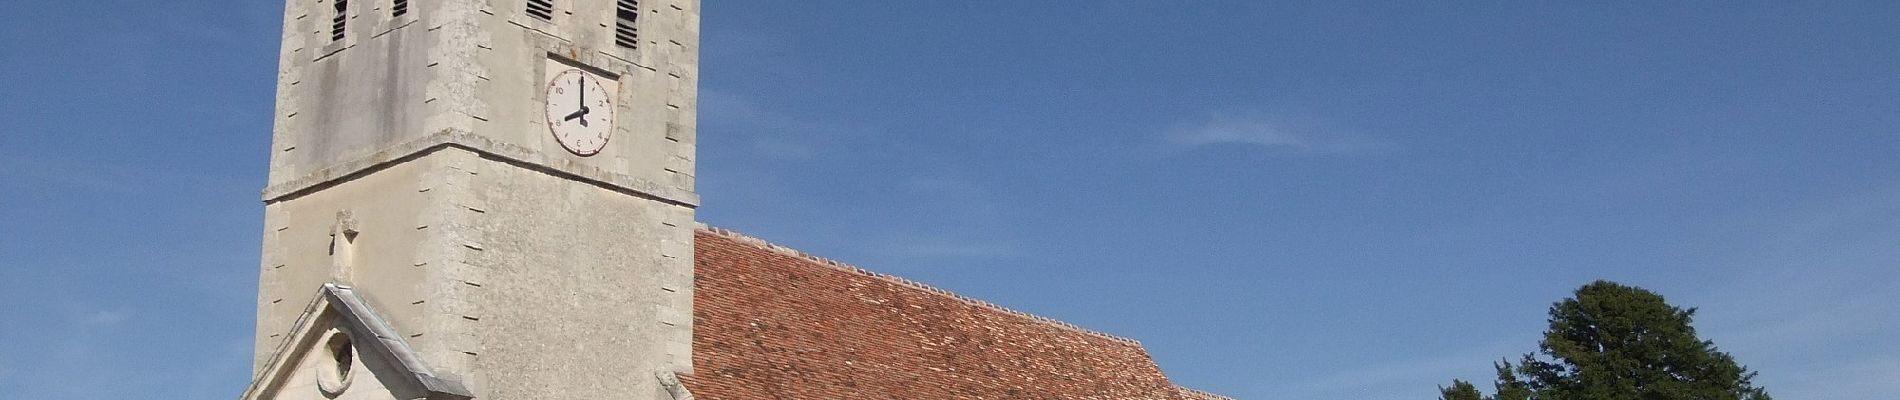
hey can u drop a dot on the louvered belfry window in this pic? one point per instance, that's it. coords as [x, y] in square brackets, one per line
[541, 9]
[398, 8]
[339, 21]
[626, 34]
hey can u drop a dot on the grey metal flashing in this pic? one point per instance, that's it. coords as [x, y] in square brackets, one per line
[671, 382]
[364, 319]
[354, 312]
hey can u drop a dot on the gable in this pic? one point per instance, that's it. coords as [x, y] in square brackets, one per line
[771, 323]
[340, 349]
[327, 371]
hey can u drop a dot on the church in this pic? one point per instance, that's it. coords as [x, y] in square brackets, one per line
[494, 199]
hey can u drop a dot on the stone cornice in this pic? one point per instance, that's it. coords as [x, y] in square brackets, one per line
[510, 153]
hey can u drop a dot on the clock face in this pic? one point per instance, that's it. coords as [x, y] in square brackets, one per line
[580, 111]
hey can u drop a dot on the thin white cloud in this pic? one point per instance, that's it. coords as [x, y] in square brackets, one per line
[1869, 377]
[769, 133]
[934, 247]
[1408, 379]
[963, 216]
[41, 173]
[1809, 298]
[784, 148]
[1259, 130]
[102, 318]
[960, 198]
[213, 377]
[1223, 130]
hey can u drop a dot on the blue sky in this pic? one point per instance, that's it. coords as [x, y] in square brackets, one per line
[1328, 200]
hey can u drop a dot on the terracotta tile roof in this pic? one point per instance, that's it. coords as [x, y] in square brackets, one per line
[775, 323]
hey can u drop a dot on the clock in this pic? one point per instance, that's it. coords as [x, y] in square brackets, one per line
[580, 109]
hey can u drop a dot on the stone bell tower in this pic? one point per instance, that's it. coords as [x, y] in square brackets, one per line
[480, 198]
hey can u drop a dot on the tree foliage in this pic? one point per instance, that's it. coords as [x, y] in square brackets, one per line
[1616, 342]
[1460, 390]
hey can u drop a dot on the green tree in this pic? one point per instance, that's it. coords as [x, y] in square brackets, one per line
[1460, 390]
[1508, 386]
[1616, 342]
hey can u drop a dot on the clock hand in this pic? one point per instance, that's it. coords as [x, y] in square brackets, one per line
[576, 114]
[582, 114]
